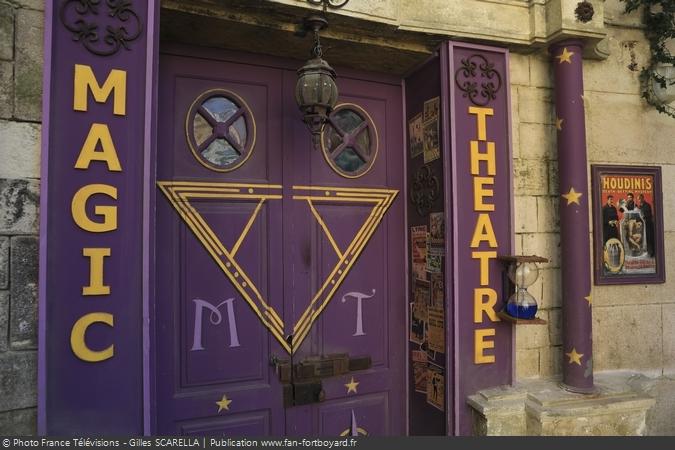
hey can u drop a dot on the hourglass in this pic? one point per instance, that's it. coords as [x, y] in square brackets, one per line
[523, 272]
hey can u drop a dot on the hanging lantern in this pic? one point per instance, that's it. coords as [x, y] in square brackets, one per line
[316, 91]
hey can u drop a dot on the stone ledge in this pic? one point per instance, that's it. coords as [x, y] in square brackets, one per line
[542, 407]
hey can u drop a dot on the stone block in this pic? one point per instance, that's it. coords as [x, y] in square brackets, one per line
[626, 337]
[668, 173]
[518, 243]
[630, 422]
[4, 262]
[6, 32]
[527, 363]
[536, 105]
[541, 70]
[553, 179]
[498, 411]
[548, 216]
[19, 202]
[617, 409]
[619, 73]
[519, 69]
[669, 341]
[550, 361]
[526, 214]
[551, 288]
[530, 176]
[615, 14]
[23, 289]
[621, 129]
[515, 123]
[555, 326]
[6, 89]
[19, 150]
[18, 380]
[537, 141]
[462, 18]
[661, 135]
[28, 65]
[661, 418]
[4, 319]
[21, 422]
[532, 336]
[543, 244]
[38, 5]
[616, 130]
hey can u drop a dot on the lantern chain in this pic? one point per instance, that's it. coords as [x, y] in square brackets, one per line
[317, 50]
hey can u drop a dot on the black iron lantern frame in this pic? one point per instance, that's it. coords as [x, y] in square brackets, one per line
[316, 91]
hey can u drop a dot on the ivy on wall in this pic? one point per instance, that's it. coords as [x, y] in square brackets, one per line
[659, 20]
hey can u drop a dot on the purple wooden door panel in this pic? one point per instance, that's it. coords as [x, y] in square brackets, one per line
[365, 317]
[280, 245]
[223, 356]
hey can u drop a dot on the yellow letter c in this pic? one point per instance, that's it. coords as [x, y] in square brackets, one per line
[79, 346]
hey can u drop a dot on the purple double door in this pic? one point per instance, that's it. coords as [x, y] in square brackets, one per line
[260, 236]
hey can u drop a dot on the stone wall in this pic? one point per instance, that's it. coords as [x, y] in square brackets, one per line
[21, 30]
[633, 324]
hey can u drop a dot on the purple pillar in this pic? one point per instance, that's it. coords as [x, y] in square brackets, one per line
[574, 222]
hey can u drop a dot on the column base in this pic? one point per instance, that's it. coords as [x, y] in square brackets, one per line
[543, 408]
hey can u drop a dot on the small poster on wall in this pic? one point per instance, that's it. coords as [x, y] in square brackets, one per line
[431, 142]
[437, 291]
[628, 225]
[416, 135]
[431, 109]
[418, 321]
[436, 330]
[418, 240]
[419, 363]
[436, 232]
[430, 130]
[436, 386]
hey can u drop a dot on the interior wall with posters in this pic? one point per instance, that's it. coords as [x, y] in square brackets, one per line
[426, 341]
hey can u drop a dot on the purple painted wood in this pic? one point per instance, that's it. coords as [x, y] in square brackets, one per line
[149, 152]
[71, 391]
[286, 254]
[471, 376]
[44, 200]
[574, 221]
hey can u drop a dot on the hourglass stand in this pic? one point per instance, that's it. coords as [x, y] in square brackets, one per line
[521, 272]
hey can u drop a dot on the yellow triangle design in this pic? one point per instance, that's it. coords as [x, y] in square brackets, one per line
[381, 200]
[179, 194]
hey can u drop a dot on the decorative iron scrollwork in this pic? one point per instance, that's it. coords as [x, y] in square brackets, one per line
[424, 190]
[79, 17]
[584, 11]
[329, 3]
[468, 80]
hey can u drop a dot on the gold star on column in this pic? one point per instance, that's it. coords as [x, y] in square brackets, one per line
[565, 56]
[588, 299]
[224, 404]
[572, 197]
[351, 386]
[574, 356]
[558, 123]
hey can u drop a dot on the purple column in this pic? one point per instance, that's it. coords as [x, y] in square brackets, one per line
[574, 221]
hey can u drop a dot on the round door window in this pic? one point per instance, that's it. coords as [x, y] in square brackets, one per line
[220, 130]
[349, 141]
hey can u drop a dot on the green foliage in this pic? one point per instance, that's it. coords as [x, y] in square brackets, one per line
[658, 17]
